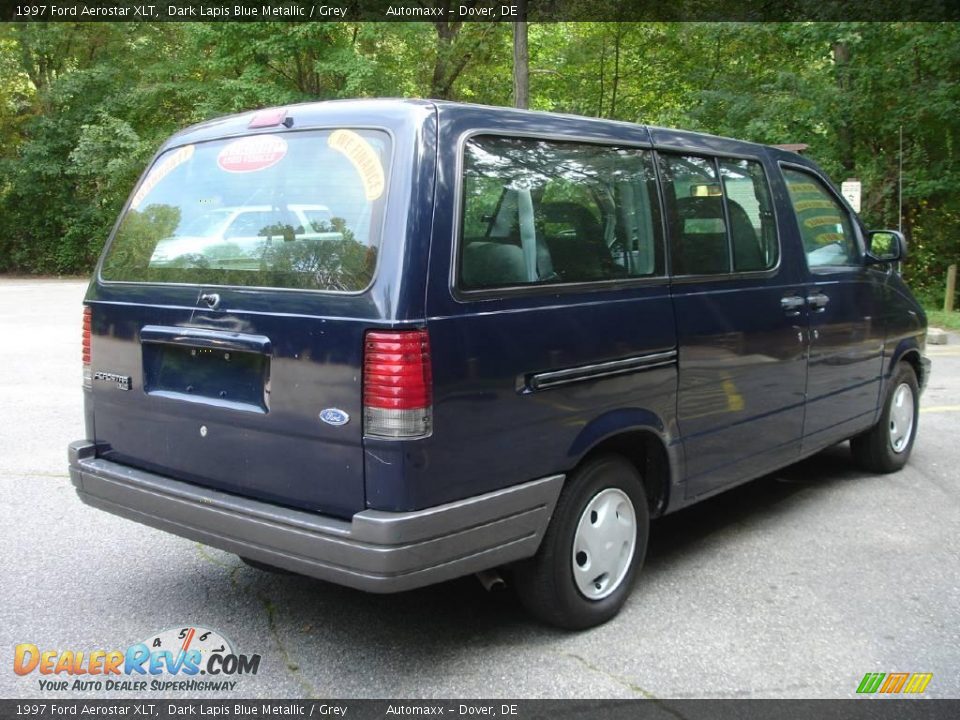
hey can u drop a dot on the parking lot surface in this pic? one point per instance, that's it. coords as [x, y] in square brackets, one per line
[795, 585]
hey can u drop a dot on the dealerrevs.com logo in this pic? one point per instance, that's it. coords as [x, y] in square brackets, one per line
[189, 659]
[894, 683]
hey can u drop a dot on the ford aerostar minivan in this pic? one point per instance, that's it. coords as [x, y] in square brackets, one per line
[386, 343]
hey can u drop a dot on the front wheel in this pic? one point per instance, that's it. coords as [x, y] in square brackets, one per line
[885, 448]
[593, 547]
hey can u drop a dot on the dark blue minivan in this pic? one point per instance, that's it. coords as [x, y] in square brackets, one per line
[387, 343]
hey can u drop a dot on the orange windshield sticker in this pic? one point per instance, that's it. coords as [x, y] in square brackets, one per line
[364, 159]
[160, 171]
[251, 154]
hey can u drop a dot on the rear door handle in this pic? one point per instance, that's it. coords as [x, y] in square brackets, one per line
[792, 304]
[818, 301]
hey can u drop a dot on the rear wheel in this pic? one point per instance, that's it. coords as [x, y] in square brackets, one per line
[886, 447]
[593, 547]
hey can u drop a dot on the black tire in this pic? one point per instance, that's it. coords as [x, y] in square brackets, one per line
[545, 583]
[874, 449]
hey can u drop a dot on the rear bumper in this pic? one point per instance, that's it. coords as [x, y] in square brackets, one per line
[375, 551]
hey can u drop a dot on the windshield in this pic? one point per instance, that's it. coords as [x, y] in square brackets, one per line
[292, 210]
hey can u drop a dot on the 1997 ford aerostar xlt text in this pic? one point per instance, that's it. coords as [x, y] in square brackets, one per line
[387, 343]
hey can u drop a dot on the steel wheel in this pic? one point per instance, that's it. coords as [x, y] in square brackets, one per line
[886, 446]
[901, 417]
[594, 546]
[604, 543]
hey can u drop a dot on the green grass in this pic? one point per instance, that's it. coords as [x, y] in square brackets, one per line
[945, 320]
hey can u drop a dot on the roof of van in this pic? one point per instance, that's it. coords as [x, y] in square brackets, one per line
[398, 112]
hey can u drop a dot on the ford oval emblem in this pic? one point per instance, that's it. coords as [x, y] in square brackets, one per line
[333, 416]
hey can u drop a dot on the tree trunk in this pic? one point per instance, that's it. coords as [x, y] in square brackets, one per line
[616, 72]
[603, 62]
[441, 82]
[845, 137]
[521, 65]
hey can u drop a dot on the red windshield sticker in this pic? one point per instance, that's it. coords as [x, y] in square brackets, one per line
[251, 154]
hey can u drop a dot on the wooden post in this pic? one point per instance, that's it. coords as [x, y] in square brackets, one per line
[951, 288]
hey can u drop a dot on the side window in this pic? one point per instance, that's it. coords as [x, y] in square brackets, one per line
[698, 229]
[543, 212]
[753, 226]
[825, 226]
[484, 194]
[719, 214]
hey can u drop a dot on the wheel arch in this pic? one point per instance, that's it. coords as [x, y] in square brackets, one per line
[908, 350]
[641, 437]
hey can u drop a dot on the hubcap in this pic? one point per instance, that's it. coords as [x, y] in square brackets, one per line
[901, 417]
[604, 543]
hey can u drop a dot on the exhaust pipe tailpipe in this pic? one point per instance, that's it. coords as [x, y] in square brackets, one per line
[491, 580]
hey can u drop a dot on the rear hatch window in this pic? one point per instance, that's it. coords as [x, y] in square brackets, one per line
[286, 210]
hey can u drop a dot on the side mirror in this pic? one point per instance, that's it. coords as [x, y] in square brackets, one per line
[884, 246]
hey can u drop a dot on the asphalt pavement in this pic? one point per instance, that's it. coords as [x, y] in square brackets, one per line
[795, 585]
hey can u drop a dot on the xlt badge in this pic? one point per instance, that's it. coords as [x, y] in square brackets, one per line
[121, 381]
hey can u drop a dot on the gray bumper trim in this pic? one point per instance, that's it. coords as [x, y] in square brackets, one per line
[376, 551]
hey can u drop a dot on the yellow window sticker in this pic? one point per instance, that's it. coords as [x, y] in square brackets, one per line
[813, 205]
[364, 159]
[823, 220]
[167, 166]
[828, 238]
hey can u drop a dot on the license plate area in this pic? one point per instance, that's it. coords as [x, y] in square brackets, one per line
[230, 378]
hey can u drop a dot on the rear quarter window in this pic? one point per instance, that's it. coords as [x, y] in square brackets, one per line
[542, 212]
[291, 210]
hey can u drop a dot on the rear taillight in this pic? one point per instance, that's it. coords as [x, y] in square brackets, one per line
[397, 384]
[87, 372]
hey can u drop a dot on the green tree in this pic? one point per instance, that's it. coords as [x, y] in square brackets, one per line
[84, 105]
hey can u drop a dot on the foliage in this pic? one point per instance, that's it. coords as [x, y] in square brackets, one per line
[84, 105]
[943, 319]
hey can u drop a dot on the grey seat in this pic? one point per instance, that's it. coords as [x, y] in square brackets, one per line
[493, 264]
[581, 253]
